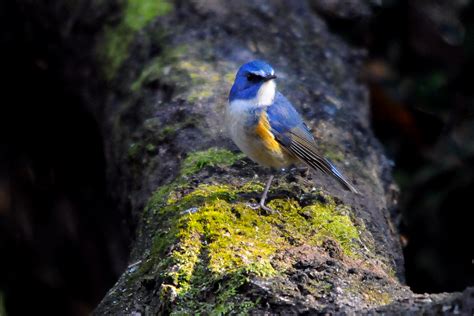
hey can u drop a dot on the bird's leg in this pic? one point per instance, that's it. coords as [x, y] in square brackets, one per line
[262, 205]
[264, 196]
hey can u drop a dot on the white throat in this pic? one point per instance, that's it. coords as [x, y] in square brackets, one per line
[266, 93]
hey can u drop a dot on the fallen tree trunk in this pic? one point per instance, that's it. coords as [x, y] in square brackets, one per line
[199, 248]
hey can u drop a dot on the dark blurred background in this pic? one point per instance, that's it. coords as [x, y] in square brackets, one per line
[62, 242]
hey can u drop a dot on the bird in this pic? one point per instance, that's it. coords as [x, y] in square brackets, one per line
[266, 127]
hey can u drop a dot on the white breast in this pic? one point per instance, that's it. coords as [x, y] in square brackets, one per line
[239, 112]
[266, 93]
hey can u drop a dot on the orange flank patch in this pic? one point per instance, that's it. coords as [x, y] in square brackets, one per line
[263, 131]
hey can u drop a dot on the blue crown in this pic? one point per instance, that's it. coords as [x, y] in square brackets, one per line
[245, 86]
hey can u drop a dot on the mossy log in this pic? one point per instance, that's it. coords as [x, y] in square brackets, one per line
[199, 247]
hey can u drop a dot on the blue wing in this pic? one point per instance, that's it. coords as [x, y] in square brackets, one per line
[292, 133]
[285, 120]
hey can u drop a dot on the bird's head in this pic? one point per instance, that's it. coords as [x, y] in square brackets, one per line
[254, 80]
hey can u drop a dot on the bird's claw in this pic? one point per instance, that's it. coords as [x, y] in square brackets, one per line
[253, 206]
[268, 210]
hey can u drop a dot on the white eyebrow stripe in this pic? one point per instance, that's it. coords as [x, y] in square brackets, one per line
[262, 73]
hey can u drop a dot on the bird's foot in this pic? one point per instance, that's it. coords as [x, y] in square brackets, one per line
[268, 210]
[253, 206]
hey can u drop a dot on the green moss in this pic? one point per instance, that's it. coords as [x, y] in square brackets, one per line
[336, 156]
[150, 147]
[116, 41]
[211, 157]
[332, 152]
[191, 71]
[203, 79]
[318, 288]
[138, 12]
[158, 199]
[335, 224]
[171, 129]
[252, 186]
[218, 239]
[160, 68]
[192, 78]
[208, 237]
[314, 223]
[376, 297]
[226, 301]
[113, 48]
[134, 150]
[372, 294]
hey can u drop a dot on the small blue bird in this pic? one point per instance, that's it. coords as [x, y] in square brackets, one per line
[268, 129]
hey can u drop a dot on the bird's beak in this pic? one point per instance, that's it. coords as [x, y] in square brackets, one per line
[270, 77]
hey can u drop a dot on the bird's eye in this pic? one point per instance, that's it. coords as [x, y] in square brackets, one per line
[252, 77]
